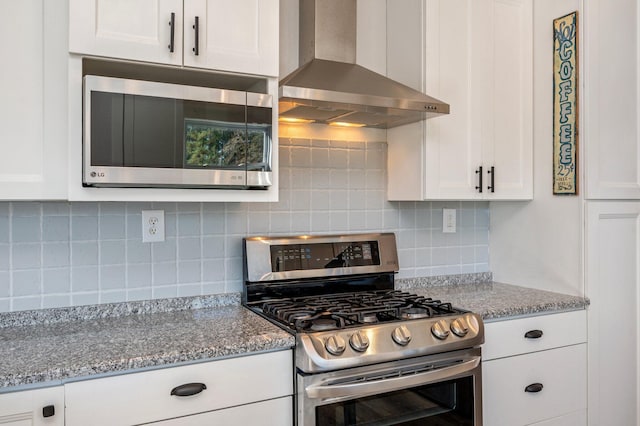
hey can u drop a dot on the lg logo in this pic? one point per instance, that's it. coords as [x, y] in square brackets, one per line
[97, 174]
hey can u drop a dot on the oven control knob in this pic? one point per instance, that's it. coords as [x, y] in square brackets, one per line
[440, 329]
[401, 335]
[335, 345]
[359, 341]
[459, 327]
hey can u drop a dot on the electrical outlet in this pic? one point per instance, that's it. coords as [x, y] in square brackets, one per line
[152, 226]
[448, 220]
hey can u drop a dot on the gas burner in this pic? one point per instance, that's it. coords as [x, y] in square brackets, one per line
[321, 321]
[369, 318]
[323, 324]
[415, 313]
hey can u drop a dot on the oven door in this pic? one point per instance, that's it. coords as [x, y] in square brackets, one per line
[443, 389]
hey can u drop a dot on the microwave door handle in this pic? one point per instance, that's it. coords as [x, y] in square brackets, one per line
[391, 384]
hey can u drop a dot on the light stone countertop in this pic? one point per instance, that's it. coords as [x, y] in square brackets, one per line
[495, 301]
[50, 354]
[50, 347]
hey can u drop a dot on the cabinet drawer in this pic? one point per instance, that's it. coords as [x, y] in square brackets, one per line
[276, 412]
[577, 418]
[507, 338]
[146, 397]
[562, 372]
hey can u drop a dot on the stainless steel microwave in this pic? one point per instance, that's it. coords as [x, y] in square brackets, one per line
[151, 134]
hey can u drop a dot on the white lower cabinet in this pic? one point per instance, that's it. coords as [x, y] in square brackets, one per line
[38, 407]
[254, 389]
[534, 371]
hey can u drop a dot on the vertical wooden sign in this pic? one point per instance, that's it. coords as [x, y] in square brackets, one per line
[565, 104]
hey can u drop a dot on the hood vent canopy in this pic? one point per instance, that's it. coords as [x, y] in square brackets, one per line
[329, 87]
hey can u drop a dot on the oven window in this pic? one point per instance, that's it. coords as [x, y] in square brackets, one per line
[448, 403]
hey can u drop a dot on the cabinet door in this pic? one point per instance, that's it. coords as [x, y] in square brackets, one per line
[507, 131]
[475, 55]
[233, 35]
[127, 29]
[29, 408]
[33, 108]
[612, 283]
[611, 141]
[437, 158]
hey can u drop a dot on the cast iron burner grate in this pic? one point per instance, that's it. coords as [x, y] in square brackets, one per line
[337, 311]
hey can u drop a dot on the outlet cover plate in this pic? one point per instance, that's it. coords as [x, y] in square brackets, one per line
[448, 221]
[152, 226]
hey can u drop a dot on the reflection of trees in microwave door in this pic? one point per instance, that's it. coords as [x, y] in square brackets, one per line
[208, 146]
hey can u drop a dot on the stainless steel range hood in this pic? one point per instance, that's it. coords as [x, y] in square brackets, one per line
[329, 87]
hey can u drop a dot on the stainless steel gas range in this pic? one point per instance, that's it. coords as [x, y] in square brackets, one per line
[365, 354]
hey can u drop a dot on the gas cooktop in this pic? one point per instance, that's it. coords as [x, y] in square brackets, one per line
[336, 294]
[353, 309]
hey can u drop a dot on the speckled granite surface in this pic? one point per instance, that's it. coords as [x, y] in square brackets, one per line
[35, 354]
[495, 301]
[49, 347]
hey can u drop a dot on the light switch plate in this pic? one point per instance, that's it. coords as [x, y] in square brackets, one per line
[449, 221]
[152, 226]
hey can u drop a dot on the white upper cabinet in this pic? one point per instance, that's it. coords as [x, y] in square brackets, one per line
[230, 35]
[233, 35]
[611, 142]
[138, 30]
[33, 145]
[476, 56]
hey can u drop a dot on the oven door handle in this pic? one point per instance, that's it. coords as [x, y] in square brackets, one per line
[384, 385]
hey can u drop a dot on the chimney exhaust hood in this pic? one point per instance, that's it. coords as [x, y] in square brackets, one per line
[329, 87]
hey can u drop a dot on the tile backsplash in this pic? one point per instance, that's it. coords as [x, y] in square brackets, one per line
[55, 254]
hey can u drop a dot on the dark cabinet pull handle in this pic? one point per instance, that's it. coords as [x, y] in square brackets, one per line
[492, 173]
[533, 334]
[188, 389]
[48, 411]
[534, 387]
[172, 38]
[196, 28]
[479, 173]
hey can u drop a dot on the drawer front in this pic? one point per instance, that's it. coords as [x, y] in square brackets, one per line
[507, 338]
[562, 372]
[577, 418]
[276, 412]
[146, 397]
